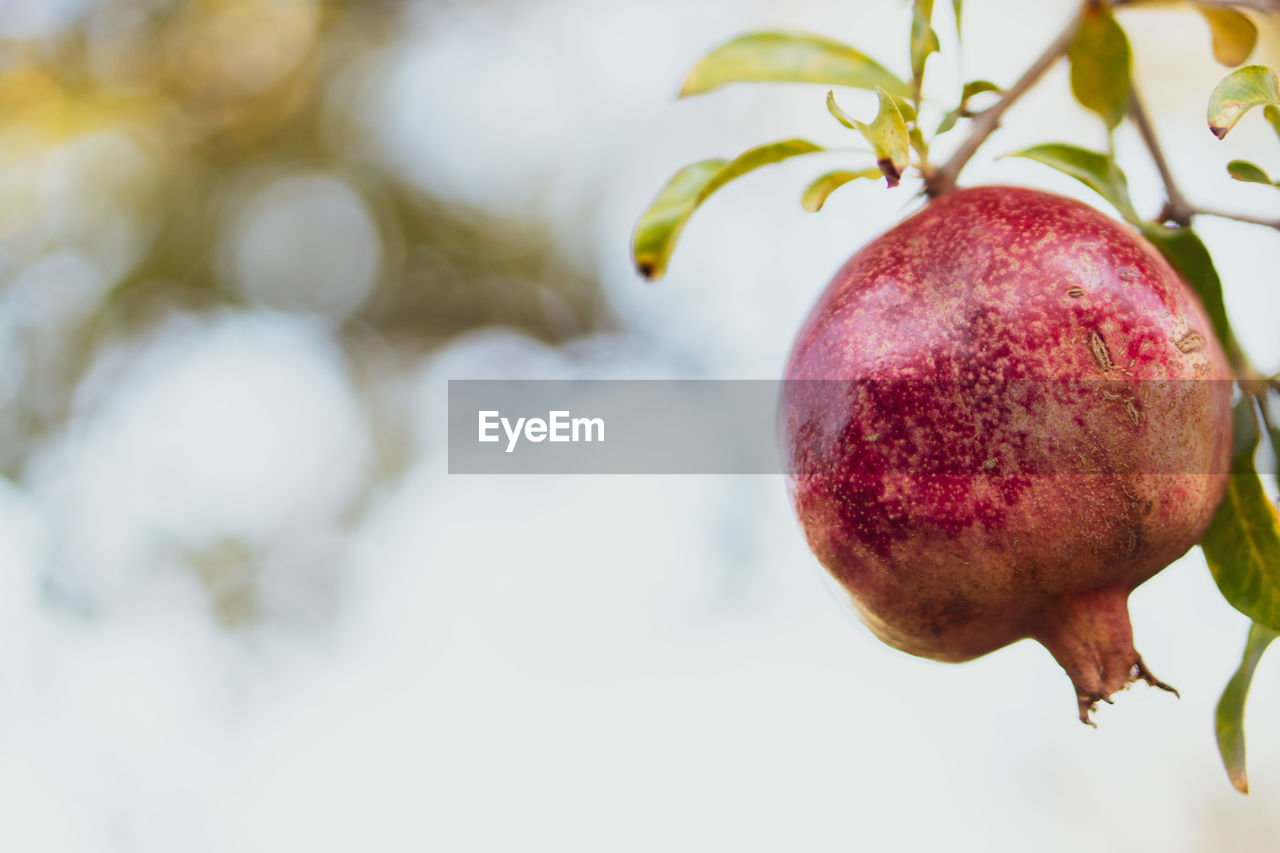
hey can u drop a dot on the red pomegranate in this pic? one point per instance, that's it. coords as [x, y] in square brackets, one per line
[1001, 417]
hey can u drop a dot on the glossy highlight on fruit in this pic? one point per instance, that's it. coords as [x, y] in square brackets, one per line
[1000, 418]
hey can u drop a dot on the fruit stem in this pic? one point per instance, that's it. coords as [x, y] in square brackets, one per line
[943, 180]
[1090, 637]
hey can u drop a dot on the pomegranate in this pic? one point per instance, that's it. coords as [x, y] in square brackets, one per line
[1000, 418]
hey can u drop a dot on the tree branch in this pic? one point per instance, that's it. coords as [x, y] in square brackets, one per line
[944, 179]
[1177, 208]
[1264, 6]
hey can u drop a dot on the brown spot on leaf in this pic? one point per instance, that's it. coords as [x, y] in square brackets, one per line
[891, 173]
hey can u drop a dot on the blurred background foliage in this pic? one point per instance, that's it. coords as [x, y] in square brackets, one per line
[161, 155]
[243, 605]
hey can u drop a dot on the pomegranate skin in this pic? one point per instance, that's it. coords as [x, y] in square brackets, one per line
[1000, 418]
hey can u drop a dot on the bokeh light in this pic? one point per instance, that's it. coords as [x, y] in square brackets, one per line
[304, 243]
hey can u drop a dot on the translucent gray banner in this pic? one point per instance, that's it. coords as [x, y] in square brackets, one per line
[613, 427]
[1009, 428]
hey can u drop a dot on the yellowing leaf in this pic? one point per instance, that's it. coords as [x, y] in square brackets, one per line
[1239, 92]
[659, 227]
[781, 57]
[904, 107]
[1233, 34]
[1099, 57]
[1272, 115]
[817, 193]
[887, 134]
[1229, 717]
[924, 40]
[761, 155]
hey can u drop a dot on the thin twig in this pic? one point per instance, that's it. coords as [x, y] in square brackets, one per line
[944, 179]
[1176, 209]
[1238, 217]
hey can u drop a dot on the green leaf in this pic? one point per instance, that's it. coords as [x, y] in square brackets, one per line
[1274, 434]
[971, 88]
[1239, 92]
[779, 57]
[1245, 436]
[924, 40]
[1186, 253]
[817, 193]
[1233, 34]
[1243, 170]
[1242, 545]
[957, 6]
[948, 121]
[659, 227]
[918, 144]
[887, 134]
[1096, 171]
[1229, 719]
[977, 87]
[1099, 57]
[1272, 114]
